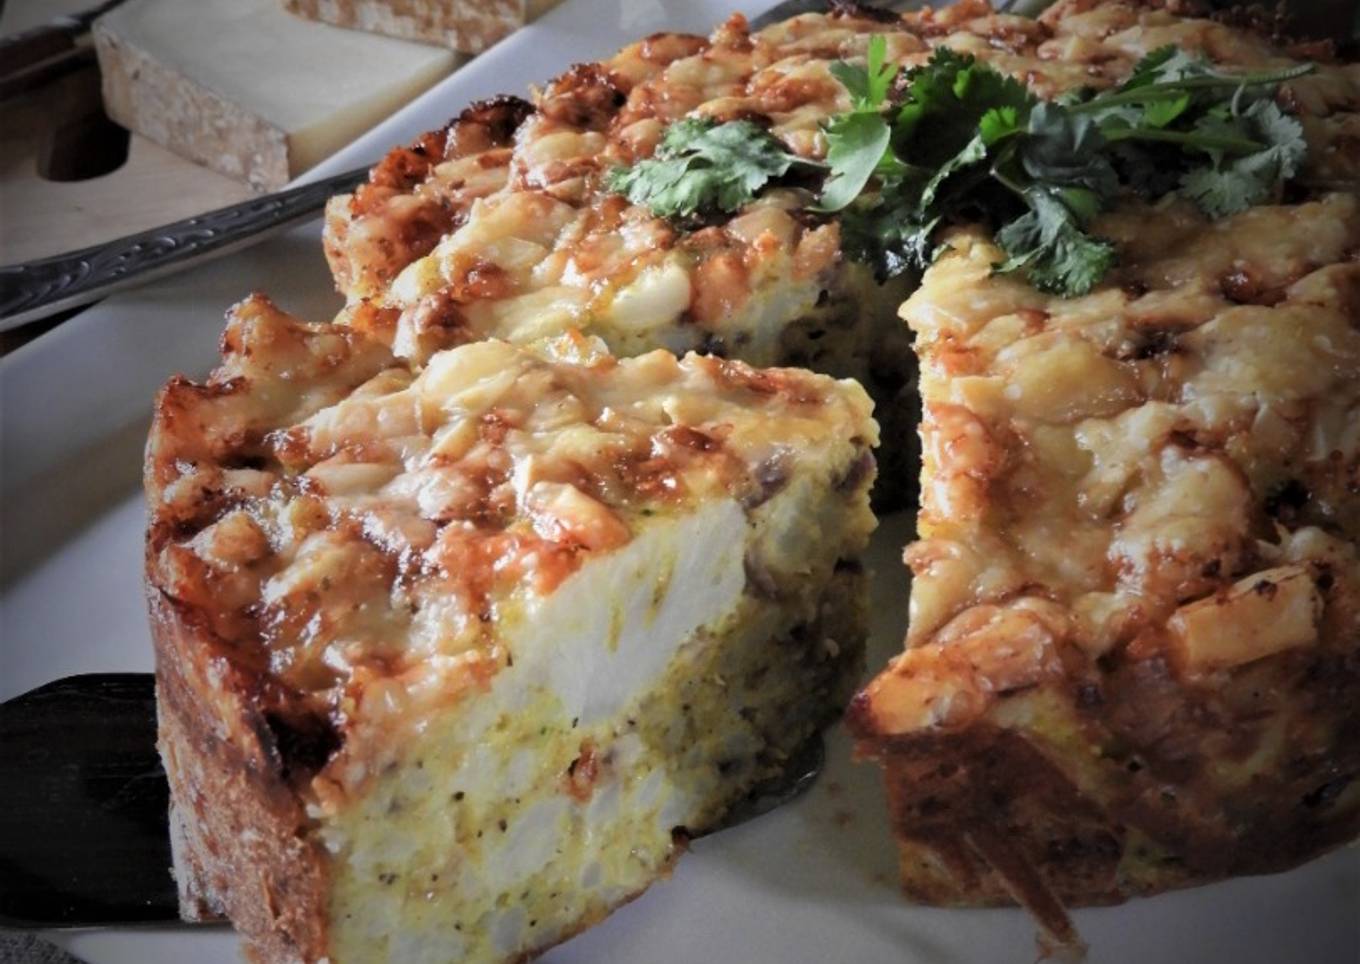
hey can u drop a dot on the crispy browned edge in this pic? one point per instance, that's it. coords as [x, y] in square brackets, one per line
[985, 817]
[236, 826]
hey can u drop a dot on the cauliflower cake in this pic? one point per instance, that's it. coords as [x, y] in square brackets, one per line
[471, 605]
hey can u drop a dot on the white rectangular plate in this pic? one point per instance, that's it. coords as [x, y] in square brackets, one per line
[813, 882]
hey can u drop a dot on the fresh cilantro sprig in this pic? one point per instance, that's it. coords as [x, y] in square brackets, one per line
[1217, 138]
[968, 144]
[955, 141]
[868, 86]
[703, 166]
[857, 142]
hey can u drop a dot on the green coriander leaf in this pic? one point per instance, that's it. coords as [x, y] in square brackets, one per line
[854, 79]
[856, 145]
[998, 124]
[946, 100]
[1219, 192]
[701, 165]
[653, 183]
[881, 75]
[741, 147]
[1160, 113]
[1114, 117]
[1084, 203]
[915, 246]
[1067, 149]
[1228, 186]
[1283, 133]
[858, 142]
[889, 238]
[869, 85]
[1163, 65]
[1218, 125]
[974, 152]
[1052, 249]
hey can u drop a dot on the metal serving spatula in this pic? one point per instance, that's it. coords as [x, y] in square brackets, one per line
[84, 839]
[83, 832]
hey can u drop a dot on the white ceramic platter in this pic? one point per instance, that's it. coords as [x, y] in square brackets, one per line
[812, 882]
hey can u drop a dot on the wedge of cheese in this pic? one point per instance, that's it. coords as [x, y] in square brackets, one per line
[450, 663]
[469, 26]
[247, 89]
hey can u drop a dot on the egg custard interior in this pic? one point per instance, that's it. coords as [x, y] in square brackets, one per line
[506, 630]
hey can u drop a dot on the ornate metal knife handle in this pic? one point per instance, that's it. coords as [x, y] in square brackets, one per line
[39, 288]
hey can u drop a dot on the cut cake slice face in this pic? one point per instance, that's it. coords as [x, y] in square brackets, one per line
[450, 663]
[1133, 661]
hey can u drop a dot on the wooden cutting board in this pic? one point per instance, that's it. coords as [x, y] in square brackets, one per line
[69, 178]
[49, 133]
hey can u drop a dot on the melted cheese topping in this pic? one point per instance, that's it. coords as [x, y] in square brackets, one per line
[1098, 467]
[374, 528]
[501, 227]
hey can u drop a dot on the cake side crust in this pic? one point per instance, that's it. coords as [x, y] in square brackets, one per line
[236, 825]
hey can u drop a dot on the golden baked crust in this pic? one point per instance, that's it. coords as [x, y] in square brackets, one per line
[1133, 661]
[236, 826]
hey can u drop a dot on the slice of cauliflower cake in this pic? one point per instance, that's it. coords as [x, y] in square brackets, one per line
[450, 663]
